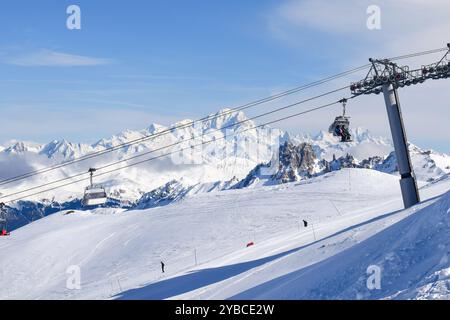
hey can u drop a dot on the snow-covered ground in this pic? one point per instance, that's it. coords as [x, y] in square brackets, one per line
[355, 220]
[204, 214]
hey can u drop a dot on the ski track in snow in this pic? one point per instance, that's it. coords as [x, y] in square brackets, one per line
[119, 251]
[202, 238]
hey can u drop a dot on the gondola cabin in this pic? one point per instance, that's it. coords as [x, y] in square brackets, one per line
[94, 195]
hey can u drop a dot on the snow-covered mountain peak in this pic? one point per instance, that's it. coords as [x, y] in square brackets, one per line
[359, 135]
[239, 155]
[428, 164]
[183, 123]
[322, 136]
[65, 149]
[363, 145]
[118, 139]
[127, 135]
[227, 118]
[155, 128]
[21, 147]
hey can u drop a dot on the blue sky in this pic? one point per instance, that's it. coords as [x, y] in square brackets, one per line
[142, 61]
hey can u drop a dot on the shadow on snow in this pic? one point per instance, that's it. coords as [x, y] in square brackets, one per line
[200, 278]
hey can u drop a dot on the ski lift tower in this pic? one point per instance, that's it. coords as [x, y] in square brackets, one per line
[386, 76]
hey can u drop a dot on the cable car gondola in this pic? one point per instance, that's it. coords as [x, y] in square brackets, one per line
[3, 221]
[94, 195]
[341, 125]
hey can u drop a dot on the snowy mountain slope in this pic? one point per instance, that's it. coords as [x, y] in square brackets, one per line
[129, 245]
[177, 190]
[294, 162]
[365, 148]
[410, 247]
[119, 251]
[412, 255]
[298, 162]
[428, 165]
[21, 147]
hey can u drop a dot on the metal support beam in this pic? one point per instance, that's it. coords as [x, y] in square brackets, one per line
[386, 76]
[408, 184]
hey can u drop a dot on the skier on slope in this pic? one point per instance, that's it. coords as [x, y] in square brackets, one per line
[162, 267]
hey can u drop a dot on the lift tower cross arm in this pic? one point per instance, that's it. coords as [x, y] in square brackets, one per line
[386, 76]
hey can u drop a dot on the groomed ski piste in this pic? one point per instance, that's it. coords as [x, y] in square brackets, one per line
[355, 220]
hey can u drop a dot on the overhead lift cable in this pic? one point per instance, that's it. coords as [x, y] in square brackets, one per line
[88, 156]
[186, 125]
[179, 142]
[177, 151]
[207, 118]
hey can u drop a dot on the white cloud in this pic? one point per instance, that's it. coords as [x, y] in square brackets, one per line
[48, 58]
[322, 15]
[405, 24]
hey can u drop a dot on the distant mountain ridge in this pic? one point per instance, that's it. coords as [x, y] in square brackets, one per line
[227, 163]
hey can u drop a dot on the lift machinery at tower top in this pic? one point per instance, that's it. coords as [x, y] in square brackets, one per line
[386, 76]
[385, 71]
